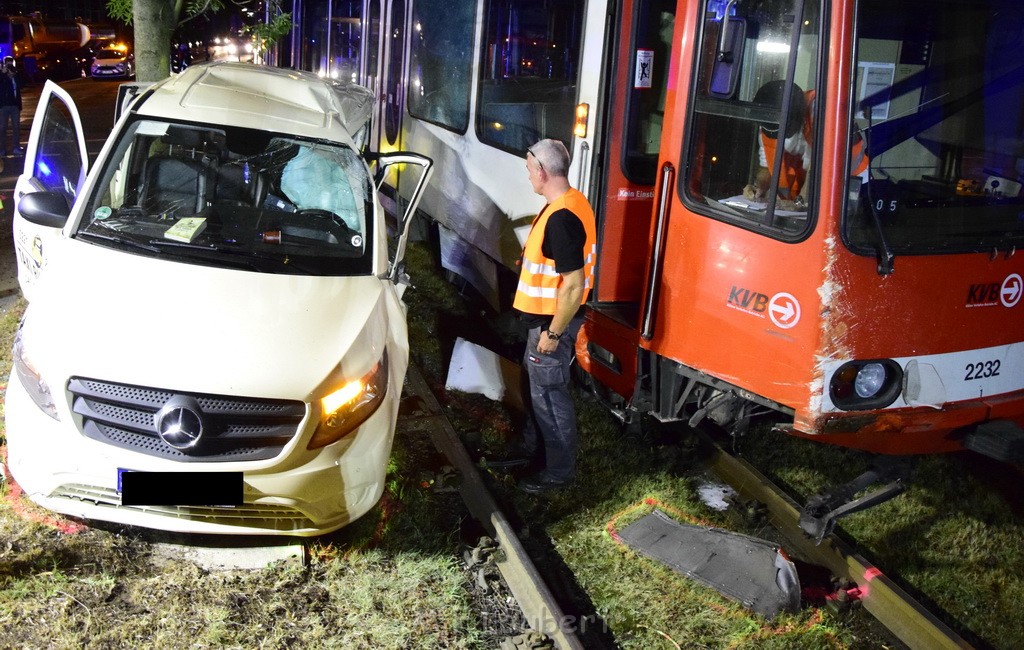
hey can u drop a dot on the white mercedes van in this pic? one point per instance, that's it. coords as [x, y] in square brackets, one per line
[215, 340]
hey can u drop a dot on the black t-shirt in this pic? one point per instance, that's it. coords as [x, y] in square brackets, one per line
[564, 241]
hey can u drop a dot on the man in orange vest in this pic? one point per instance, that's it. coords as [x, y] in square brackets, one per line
[798, 143]
[555, 278]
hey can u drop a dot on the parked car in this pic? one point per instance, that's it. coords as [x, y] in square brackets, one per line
[112, 63]
[215, 339]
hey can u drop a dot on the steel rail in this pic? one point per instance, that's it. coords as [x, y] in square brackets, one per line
[539, 606]
[893, 607]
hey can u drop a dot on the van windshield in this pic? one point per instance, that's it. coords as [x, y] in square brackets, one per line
[234, 197]
[940, 108]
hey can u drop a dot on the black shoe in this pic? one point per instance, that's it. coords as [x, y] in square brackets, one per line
[539, 484]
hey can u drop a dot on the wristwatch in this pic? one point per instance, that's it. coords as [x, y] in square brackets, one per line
[553, 336]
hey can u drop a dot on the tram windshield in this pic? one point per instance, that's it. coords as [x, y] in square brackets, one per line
[940, 108]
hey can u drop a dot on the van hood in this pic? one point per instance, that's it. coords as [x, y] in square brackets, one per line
[125, 318]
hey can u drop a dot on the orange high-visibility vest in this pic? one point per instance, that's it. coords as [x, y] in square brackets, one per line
[793, 174]
[538, 280]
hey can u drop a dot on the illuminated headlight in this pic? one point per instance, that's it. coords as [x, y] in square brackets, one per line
[861, 385]
[349, 404]
[30, 378]
[870, 380]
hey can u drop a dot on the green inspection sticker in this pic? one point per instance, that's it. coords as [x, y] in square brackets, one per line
[102, 212]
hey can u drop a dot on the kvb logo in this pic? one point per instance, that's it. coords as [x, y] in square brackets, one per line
[783, 308]
[1010, 292]
[991, 294]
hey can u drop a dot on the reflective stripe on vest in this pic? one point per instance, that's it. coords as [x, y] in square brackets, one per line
[537, 292]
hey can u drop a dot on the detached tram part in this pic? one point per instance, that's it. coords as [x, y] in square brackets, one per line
[886, 601]
[539, 606]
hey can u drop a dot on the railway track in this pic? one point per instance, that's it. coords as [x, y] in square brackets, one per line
[893, 607]
[539, 606]
[897, 610]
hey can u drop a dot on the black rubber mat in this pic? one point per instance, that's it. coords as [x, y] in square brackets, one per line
[747, 569]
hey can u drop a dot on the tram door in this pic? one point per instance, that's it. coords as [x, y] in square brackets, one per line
[632, 136]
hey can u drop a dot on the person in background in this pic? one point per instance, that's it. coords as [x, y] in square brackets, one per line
[554, 282]
[10, 107]
[798, 145]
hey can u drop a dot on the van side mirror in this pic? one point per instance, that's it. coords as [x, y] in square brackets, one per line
[49, 209]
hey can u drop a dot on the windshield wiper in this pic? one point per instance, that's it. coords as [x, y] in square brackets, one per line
[883, 252]
[232, 256]
[115, 239]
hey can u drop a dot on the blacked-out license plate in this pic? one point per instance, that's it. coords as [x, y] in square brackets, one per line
[179, 488]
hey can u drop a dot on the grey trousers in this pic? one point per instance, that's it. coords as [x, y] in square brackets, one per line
[552, 412]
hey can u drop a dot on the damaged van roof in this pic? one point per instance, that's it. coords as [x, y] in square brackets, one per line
[262, 97]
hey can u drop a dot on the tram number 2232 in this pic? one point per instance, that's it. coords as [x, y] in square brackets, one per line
[982, 370]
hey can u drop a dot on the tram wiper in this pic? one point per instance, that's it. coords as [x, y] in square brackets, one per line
[883, 252]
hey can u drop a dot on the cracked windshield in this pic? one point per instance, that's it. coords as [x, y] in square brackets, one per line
[234, 197]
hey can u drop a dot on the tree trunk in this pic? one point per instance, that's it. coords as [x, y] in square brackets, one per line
[154, 22]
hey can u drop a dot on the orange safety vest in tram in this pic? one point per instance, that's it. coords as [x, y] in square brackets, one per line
[793, 174]
[538, 280]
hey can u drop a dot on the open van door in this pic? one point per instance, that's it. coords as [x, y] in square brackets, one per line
[384, 162]
[55, 161]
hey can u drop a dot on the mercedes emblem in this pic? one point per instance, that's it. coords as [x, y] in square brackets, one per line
[180, 423]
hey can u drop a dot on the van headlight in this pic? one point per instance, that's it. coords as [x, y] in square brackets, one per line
[863, 385]
[30, 378]
[349, 403]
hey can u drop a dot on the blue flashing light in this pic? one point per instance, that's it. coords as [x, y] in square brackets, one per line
[44, 169]
[717, 7]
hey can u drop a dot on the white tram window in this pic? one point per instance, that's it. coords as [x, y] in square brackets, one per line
[939, 102]
[441, 62]
[528, 72]
[742, 67]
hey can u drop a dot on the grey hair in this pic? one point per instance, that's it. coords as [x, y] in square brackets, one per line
[552, 155]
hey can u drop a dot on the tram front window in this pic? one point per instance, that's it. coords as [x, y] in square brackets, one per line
[940, 106]
[750, 81]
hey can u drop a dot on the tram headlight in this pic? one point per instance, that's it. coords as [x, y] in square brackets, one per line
[864, 385]
[870, 379]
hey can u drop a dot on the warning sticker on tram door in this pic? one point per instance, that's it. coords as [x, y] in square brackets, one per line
[644, 65]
